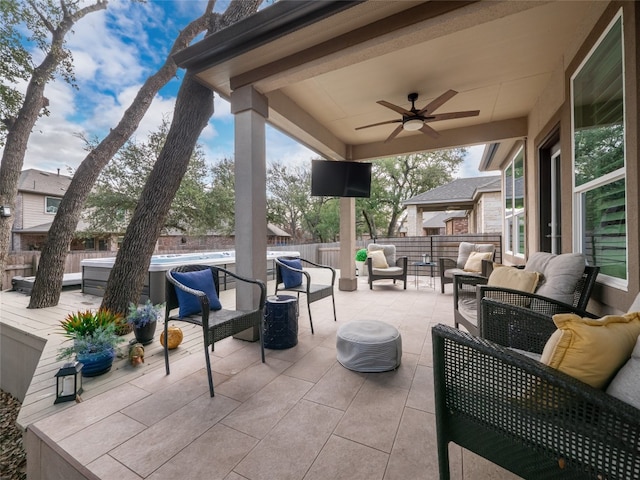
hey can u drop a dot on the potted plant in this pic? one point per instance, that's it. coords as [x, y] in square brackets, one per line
[361, 258]
[94, 339]
[144, 320]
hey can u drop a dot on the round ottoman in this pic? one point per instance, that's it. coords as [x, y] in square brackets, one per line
[369, 346]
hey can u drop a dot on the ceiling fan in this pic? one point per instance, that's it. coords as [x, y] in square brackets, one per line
[414, 119]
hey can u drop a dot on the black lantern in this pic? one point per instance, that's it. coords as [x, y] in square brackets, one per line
[68, 382]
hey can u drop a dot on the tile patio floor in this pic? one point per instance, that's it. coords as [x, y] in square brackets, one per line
[301, 415]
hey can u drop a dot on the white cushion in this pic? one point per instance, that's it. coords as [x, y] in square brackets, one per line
[465, 249]
[560, 274]
[626, 384]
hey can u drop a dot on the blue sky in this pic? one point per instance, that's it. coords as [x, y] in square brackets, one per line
[114, 51]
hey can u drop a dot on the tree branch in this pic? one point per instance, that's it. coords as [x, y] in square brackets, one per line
[44, 19]
[99, 5]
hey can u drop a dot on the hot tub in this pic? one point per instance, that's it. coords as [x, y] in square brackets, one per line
[95, 271]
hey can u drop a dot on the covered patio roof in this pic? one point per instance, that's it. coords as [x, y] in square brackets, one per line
[324, 65]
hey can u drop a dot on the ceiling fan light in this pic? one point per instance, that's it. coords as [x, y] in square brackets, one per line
[413, 124]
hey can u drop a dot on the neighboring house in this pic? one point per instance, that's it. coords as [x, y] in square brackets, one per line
[480, 198]
[39, 195]
[276, 235]
[456, 223]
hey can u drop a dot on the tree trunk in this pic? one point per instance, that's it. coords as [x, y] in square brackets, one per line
[370, 224]
[194, 107]
[48, 282]
[18, 134]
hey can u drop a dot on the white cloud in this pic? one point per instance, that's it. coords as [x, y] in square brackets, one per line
[469, 167]
[221, 109]
[283, 149]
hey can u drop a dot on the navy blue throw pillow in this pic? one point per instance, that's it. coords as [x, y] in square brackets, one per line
[289, 277]
[198, 280]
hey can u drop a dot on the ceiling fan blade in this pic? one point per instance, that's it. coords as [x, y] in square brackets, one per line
[395, 108]
[381, 123]
[448, 116]
[394, 134]
[429, 131]
[438, 102]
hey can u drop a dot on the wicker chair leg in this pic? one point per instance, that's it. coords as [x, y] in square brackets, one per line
[310, 321]
[333, 300]
[208, 362]
[262, 343]
[166, 347]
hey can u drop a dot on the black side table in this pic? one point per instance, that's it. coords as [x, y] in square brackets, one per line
[431, 265]
[281, 322]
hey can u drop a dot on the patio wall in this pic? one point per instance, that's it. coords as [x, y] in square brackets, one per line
[19, 356]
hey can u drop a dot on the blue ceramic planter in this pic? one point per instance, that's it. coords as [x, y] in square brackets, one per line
[96, 363]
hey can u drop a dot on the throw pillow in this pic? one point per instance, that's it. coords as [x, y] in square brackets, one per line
[474, 262]
[514, 278]
[560, 274]
[591, 350]
[378, 260]
[197, 280]
[625, 385]
[291, 278]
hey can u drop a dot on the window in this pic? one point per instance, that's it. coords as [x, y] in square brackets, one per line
[51, 204]
[514, 205]
[599, 181]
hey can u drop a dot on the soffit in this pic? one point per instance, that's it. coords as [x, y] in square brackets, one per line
[499, 56]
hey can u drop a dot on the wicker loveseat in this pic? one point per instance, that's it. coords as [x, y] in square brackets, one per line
[560, 292]
[525, 416]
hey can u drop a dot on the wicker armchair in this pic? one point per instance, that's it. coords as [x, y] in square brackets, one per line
[526, 417]
[314, 291]
[216, 324]
[468, 292]
[450, 267]
[397, 269]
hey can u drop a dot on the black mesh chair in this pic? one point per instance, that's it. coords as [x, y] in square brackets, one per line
[531, 419]
[216, 324]
[313, 291]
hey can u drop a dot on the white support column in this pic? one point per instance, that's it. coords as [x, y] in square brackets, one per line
[251, 110]
[347, 281]
[414, 221]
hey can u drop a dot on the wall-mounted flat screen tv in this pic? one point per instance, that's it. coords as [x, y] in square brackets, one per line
[340, 178]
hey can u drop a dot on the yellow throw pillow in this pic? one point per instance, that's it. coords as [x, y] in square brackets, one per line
[514, 278]
[378, 260]
[591, 350]
[474, 262]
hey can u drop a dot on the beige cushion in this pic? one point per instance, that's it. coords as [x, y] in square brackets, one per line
[474, 262]
[591, 350]
[626, 384]
[378, 260]
[514, 278]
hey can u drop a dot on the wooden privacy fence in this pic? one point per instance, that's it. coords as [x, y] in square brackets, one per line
[25, 264]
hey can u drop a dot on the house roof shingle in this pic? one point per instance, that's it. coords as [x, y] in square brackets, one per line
[460, 191]
[45, 183]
